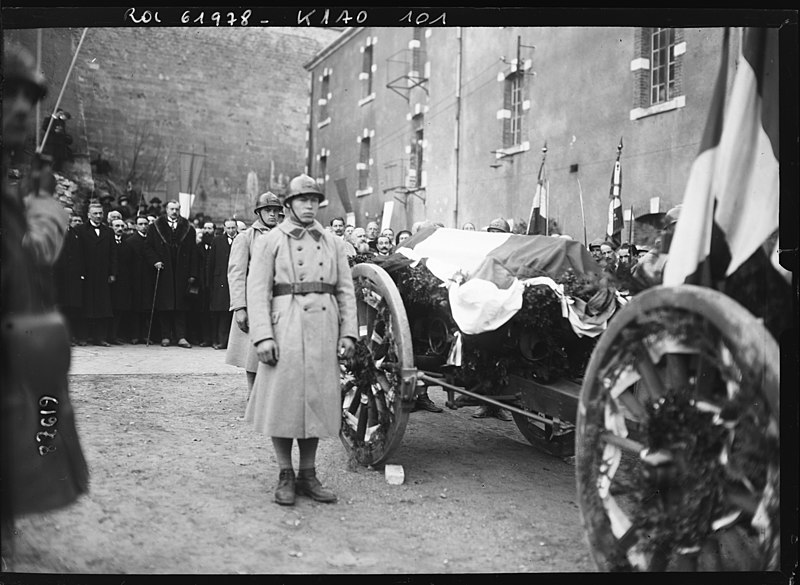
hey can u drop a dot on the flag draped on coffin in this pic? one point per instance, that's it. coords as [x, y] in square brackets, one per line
[484, 271]
[731, 202]
[615, 219]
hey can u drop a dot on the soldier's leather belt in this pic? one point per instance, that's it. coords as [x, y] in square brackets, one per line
[303, 288]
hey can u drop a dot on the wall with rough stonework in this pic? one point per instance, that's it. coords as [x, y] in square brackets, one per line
[236, 97]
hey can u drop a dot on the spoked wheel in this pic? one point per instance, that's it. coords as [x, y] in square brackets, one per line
[556, 439]
[677, 445]
[378, 383]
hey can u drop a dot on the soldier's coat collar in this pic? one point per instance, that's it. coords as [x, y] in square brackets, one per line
[296, 231]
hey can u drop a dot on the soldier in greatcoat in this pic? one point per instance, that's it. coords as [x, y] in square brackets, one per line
[241, 353]
[121, 290]
[170, 248]
[99, 253]
[302, 310]
[143, 279]
[69, 275]
[217, 279]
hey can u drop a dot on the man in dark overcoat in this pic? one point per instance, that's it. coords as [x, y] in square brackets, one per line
[69, 274]
[217, 277]
[121, 290]
[199, 313]
[99, 254]
[142, 281]
[171, 248]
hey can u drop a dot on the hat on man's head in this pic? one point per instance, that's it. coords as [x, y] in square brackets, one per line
[498, 225]
[106, 197]
[673, 215]
[267, 199]
[155, 200]
[302, 185]
[597, 242]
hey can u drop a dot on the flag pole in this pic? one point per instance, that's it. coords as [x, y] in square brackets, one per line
[630, 228]
[40, 148]
[539, 178]
[583, 215]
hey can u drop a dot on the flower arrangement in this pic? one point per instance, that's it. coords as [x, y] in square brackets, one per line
[540, 317]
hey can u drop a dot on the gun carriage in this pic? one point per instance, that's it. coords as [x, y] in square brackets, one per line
[669, 400]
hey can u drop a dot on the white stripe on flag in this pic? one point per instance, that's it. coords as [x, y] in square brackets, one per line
[614, 212]
[449, 250]
[740, 172]
[692, 238]
[746, 176]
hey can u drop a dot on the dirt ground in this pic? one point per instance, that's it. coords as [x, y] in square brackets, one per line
[180, 484]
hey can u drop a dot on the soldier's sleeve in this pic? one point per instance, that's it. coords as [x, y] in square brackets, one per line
[345, 294]
[237, 271]
[47, 227]
[259, 290]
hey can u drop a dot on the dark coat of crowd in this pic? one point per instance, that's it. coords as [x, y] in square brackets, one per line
[146, 277]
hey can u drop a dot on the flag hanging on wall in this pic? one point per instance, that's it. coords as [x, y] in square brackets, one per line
[615, 220]
[731, 202]
[537, 221]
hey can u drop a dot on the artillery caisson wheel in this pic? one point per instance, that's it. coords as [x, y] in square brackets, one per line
[677, 444]
[378, 383]
[557, 439]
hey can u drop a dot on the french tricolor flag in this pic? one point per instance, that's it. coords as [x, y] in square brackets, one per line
[615, 219]
[485, 273]
[731, 202]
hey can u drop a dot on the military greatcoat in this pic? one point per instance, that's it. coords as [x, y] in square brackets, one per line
[299, 397]
[241, 353]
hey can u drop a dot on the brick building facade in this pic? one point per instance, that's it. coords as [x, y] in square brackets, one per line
[449, 123]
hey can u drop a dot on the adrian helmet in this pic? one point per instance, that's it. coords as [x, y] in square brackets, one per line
[303, 185]
[498, 225]
[267, 199]
[19, 67]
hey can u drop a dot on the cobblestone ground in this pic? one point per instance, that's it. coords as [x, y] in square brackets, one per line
[180, 484]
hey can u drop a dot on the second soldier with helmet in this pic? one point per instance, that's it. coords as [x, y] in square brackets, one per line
[302, 319]
[240, 352]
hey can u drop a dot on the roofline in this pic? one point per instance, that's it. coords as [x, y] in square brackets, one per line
[333, 47]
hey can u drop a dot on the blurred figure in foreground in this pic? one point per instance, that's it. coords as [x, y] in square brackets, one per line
[41, 465]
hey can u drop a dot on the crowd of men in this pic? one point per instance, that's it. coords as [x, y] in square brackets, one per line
[153, 279]
[152, 276]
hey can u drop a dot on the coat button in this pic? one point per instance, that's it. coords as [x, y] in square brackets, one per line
[299, 262]
[320, 263]
[299, 248]
[302, 277]
[323, 308]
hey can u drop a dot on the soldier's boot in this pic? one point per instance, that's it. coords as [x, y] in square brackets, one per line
[308, 485]
[284, 493]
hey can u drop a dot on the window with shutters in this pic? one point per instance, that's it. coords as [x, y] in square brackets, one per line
[414, 179]
[657, 70]
[364, 163]
[367, 74]
[512, 127]
[324, 98]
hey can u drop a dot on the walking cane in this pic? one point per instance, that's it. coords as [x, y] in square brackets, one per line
[153, 310]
